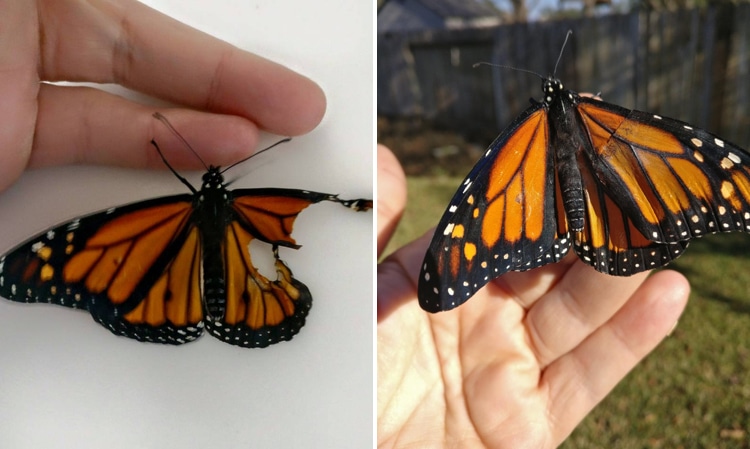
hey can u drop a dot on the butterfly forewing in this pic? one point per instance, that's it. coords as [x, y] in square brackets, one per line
[675, 181]
[118, 264]
[502, 218]
[270, 213]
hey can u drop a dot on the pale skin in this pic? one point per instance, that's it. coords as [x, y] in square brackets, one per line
[522, 362]
[224, 95]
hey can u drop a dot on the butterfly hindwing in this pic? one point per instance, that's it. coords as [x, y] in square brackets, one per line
[503, 217]
[610, 242]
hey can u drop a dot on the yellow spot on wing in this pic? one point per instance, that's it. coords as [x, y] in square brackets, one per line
[458, 231]
[470, 250]
[46, 273]
[44, 253]
[728, 192]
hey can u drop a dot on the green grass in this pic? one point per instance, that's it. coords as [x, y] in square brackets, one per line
[693, 391]
[428, 198]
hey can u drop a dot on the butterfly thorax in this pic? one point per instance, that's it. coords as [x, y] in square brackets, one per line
[213, 201]
[552, 88]
[569, 145]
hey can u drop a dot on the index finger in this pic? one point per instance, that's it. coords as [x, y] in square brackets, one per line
[131, 44]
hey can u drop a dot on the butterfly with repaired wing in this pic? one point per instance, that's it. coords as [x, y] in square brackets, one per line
[166, 269]
[626, 189]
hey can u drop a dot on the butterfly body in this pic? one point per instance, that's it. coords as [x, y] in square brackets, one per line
[625, 189]
[164, 270]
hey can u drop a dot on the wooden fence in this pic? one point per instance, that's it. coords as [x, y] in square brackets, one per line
[693, 65]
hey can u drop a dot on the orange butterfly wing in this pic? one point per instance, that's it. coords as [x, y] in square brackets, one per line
[136, 269]
[258, 311]
[504, 217]
[655, 183]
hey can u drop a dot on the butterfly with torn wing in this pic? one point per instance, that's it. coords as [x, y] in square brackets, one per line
[166, 269]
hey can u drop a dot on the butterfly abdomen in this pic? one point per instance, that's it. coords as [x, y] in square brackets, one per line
[569, 146]
[571, 189]
[214, 284]
[213, 214]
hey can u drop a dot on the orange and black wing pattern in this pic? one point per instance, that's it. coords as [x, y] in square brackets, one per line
[163, 270]
[256, 311]
[503, 217]
[676, 181]
[136, 269]
[627, 189]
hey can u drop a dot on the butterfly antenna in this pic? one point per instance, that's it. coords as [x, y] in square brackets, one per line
[284, 140]
[174, 172]
[567, 36]
[501, 66]
[161, 118]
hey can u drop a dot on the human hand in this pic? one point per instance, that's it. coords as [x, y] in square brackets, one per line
[523, 361]
[128, 43]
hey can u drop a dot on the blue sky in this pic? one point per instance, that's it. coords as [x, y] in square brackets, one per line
[537, 7]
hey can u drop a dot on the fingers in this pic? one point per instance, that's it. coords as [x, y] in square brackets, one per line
[84, 125]
[397, 276]
[577, 381]
[18, 90]
[581, 301]
[391, 195]
[131, 44]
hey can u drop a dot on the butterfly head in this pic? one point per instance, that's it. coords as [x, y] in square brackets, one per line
[213, 179]
[551, 88]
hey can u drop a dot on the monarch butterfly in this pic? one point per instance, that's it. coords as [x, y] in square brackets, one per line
[165, 269]
[627, 189]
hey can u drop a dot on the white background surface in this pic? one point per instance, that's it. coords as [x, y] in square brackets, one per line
[67, 382]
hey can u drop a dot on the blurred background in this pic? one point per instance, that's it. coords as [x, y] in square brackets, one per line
[689, 60]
